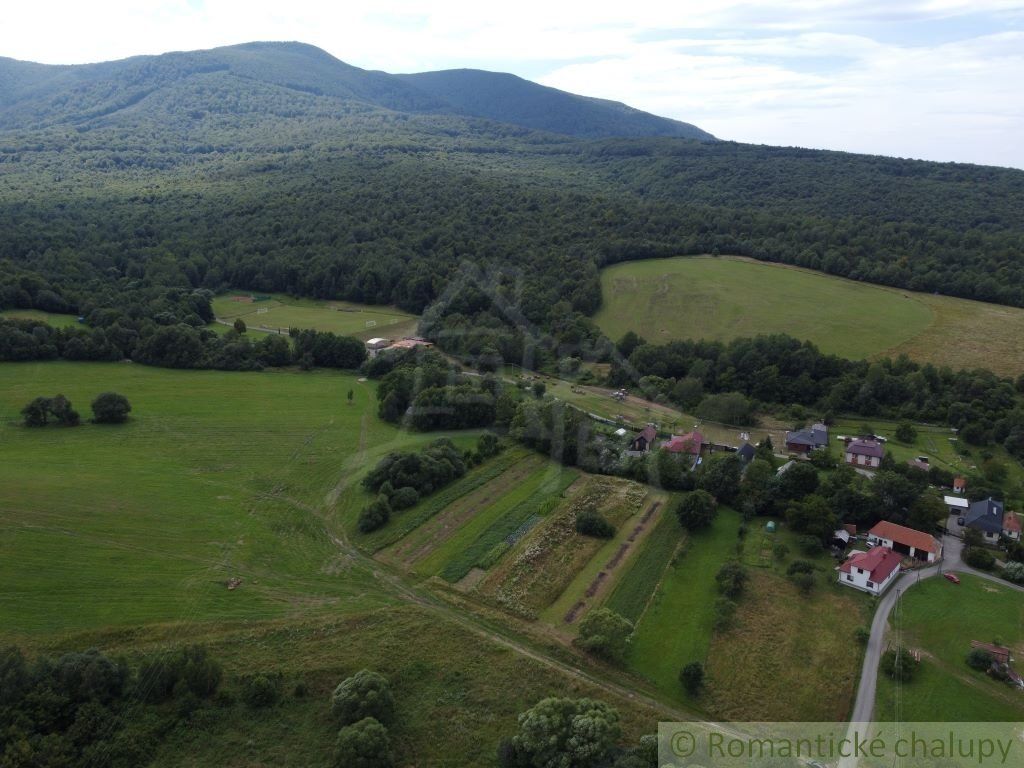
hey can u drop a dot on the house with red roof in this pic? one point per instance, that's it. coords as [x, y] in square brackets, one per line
[865, 453]
[959, 484]
[871, 571]
[689, 443]
[905, 541]
[1011, 526]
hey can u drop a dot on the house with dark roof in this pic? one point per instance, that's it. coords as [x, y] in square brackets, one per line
[871, 571]
[864, 453]
[746, 452]
[807, 440]
[990, 518]
[643, 441]
[905, 541]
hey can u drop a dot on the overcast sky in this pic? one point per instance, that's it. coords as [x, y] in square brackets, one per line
[936, 79]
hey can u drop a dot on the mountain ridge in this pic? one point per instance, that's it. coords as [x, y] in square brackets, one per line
[36, 95]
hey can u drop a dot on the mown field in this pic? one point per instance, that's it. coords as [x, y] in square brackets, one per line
[341, 317]
[729, 297]
[51, 318]
[940, 619]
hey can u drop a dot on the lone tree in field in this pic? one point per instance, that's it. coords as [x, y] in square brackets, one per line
[240, 326]
[906, 433]
[351, 394]
[692, 677]
[365, 694]
[696, 510]
[574, 733]
[731, 579]
[899, 664]
[364, 744]
[606, 634]
[110, 408]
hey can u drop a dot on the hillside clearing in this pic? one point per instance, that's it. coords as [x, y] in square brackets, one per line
[729, 297]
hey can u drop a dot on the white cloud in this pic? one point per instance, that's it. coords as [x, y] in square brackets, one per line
[822, 73]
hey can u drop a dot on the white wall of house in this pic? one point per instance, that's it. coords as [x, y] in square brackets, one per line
[880, 542]
[860, 460]
[858, 578]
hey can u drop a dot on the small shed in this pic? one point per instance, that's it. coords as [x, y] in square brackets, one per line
[770, 527]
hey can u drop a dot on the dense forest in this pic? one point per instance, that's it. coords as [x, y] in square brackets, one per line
[131, 191]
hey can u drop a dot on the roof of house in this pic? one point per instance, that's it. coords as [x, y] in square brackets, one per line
[956, 501]
[816, 434]
[747, 451]
[376, 341]
[1011, 522]
[850, 528]
[879, 562]
[924, 466]
[688, 443]
[908, 537]
[648, 433]
[866, 448]
[959, 483]
[410, 343]
[985, 515]
[842, 534]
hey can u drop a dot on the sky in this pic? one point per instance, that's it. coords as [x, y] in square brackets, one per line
[930, 79]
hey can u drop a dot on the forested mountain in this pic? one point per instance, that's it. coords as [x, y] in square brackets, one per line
[128, 186]
[510, 99]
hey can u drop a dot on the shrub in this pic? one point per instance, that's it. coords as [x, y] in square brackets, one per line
[696, 510]
[593, 524]
[200, 673]
[979, 659]
[262, 691]
[979, 558]
[1014, 572]
[364, 744]
[110, 408]
[375, 514]
[800, 566]
[606, 634]
[861, 635]
[906, 433]
[725, 610]
[692, 677]
[809, 545]
[780, 551]
[804, 582]
[365, 694]
[404, 497]
[731, 579]
[899, 665]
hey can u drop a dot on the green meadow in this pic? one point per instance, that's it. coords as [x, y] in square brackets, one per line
[722, 298]
[940, 619]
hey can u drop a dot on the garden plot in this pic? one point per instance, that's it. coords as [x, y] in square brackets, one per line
[422, 541]
[540, 568]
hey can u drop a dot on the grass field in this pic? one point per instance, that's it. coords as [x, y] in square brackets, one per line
[728, 297]
[940, 619]
[217, 475]
[57, 321]
[677, 625]
[342, 317]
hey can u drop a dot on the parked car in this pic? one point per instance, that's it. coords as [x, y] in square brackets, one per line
[959, 521]
[952, 577]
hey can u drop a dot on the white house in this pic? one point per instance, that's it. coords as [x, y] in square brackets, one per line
[871, 571]
[864, 453]
[375, 345]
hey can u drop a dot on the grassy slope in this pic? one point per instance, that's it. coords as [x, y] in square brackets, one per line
[723, 298]
[941, 619]
[57, 321]
[676, 628]
[216, 475]
[342, 317]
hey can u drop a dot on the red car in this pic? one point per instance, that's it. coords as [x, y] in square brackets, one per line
[952, 577]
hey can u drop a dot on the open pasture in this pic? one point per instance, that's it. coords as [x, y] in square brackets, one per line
[278, 311]
[216, 476]
[50, 318]
[728, 297]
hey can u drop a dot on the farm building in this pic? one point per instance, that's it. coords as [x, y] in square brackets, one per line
[871, 571]
[690, 443]
[957, 505]
[807, 440]
[411, 342]
[959, 484]
[905, 541]
[643, 441]
[864, 453]
[375, 345]
[991, 519]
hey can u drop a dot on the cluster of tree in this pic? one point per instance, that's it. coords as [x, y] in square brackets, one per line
[400, 479]
[605, 634]
[364, 707]
[107, 408]
[577, 733]
[113, 335]
[86, 708]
